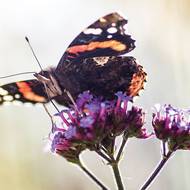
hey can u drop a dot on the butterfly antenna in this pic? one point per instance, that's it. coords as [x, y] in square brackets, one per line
[55, 106]
[47, 111]
[26, 38]
[24, 73]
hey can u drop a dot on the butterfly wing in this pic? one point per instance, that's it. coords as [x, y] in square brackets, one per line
[23, 91]
[103, 76]
[79, 68]
[105, 37]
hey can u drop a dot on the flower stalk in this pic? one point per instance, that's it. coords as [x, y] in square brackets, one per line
[120, 152]
[89, 174]
[157, 170]
[104, 156]
[117, 175]
[163, 148]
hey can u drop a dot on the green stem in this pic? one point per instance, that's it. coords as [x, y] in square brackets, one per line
[104, 156]
[112, 146]
[92, 177]
[121, 148]
[163, 148]
[157, 170]
[117, 176]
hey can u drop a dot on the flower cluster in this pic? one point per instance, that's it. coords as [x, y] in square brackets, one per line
[172, 125]
[93, 123]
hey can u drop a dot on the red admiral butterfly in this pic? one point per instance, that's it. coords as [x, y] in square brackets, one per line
[91, 62]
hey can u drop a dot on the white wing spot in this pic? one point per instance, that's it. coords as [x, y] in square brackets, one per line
[7, 103]
[17, 96]
[109, 36]
[28, 104]
[102, 19]
[95, 31]
[8, 98]
[17, 103]
[101, 61]
[125, 28]
[39, 105]
[3, 92]
[113, 24]
[112, 30]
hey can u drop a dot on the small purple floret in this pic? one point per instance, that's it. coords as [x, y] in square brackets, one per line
[172, 125]
[94, 122]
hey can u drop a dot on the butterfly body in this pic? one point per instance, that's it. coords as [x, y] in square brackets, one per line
[91, 62]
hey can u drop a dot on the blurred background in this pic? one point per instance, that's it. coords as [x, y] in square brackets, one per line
[161, 29]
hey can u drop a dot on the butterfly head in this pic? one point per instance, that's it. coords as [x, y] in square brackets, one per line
[50, 83]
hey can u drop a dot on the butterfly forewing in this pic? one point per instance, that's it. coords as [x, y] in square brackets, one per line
[105, 37]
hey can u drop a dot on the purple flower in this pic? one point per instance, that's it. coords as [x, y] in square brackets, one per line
[136, 120]
[172, 125]
[127, 120]
[95, 122]
[83, 98]
[63, 147]
[59, 143]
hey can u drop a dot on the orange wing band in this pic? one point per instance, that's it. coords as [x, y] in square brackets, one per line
[137, 83]
[113, 44]
[26, 91]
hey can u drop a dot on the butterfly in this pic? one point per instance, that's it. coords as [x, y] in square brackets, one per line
[94, 61]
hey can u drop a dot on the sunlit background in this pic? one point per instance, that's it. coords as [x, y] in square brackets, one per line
[161, 29]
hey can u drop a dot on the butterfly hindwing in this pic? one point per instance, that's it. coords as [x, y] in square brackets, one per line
[105, 37]
[23, 91]
[103, 76]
